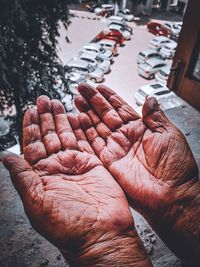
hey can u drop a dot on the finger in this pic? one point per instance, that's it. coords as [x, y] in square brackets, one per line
[96, 142]
[33, 147]
[24, 179]
[154, 117]
[101, 106]
[63, 128]
[83, 144]
[100, 126]
[125, 112]
[47, 125]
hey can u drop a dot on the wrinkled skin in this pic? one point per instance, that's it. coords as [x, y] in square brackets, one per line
[69, 197]
[148, 157]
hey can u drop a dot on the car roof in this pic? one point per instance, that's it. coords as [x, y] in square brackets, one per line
[161, 38]
[147, 52]
[91, 45]
[106, 5]
[106, 41]
[171, 44]
[117, 18]
[153, 87]
[154, 61]
[88, 55]
[77, 63]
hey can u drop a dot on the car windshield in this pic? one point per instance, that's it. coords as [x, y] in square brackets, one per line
[156, 86]
[141, 92]
[167, 47]
[162, 92]
[163, 73]
[155, 40]
[91, 68]
[127, 12]
[142, 54]
[99, 59]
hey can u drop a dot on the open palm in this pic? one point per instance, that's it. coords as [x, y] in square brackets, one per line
[147, 156]
[69, 197]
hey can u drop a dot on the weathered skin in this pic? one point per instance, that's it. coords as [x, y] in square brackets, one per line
[150, 159]
[69, 196]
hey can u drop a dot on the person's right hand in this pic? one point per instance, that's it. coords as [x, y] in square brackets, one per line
[149, 157]
[69, 197]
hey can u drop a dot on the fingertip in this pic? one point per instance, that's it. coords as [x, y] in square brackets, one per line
[43, 103]
[150, 106]
[30, 117]
[86, 90]
[105, 91]
[57, 107]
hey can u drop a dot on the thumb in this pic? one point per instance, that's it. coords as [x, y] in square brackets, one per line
[22, 175]
[154, 117]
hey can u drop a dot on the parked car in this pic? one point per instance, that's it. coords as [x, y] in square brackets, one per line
[157, 42]
[150, 67]
[126, 14]
[163, 74]
[96, 49]
[123, 24]
[110, 45]
[157, 90]
[144, 55]
[168, 50]
[95, 61]
[111, 35]
[82, 67]
[116, 19]
[157, 29]
[75, 77]
[126, 34]
[173, 27]
[104, 9]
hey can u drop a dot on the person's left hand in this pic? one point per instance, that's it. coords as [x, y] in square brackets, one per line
[69, 197]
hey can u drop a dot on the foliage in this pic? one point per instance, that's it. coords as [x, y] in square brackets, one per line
[28, 59]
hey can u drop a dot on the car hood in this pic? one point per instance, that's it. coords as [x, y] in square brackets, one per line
[97, 73]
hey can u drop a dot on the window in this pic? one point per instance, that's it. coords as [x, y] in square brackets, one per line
[162, 93]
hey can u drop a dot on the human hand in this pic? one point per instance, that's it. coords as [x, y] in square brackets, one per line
[149, 157]
[69, 197]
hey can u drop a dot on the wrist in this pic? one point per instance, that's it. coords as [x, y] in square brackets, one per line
[113, 250]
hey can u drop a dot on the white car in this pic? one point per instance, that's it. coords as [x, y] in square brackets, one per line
[126, 14]
[123, 24]
[159, 91]
[163, 74]
[110, 45]
[116, 19]
[126, 34]
[157, 42]
[168, 50]
[83, 67]
[95, 61]
[150, 67]
[104, 7]
[96, 49]
[173, 27]
[74, 77]
[144, 55]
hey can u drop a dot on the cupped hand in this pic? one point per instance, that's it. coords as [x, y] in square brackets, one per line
[148, 156]
[69, 197]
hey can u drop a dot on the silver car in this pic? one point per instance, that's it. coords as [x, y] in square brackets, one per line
[96, 49]
[95, 61]
[157, 42]
[168, 50]
[163, 74]
[110, 45]
[89, 71]
[126, 14]
[150, 67]
[144, 55]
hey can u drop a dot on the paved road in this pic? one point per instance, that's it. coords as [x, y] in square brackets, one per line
[123, 77]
